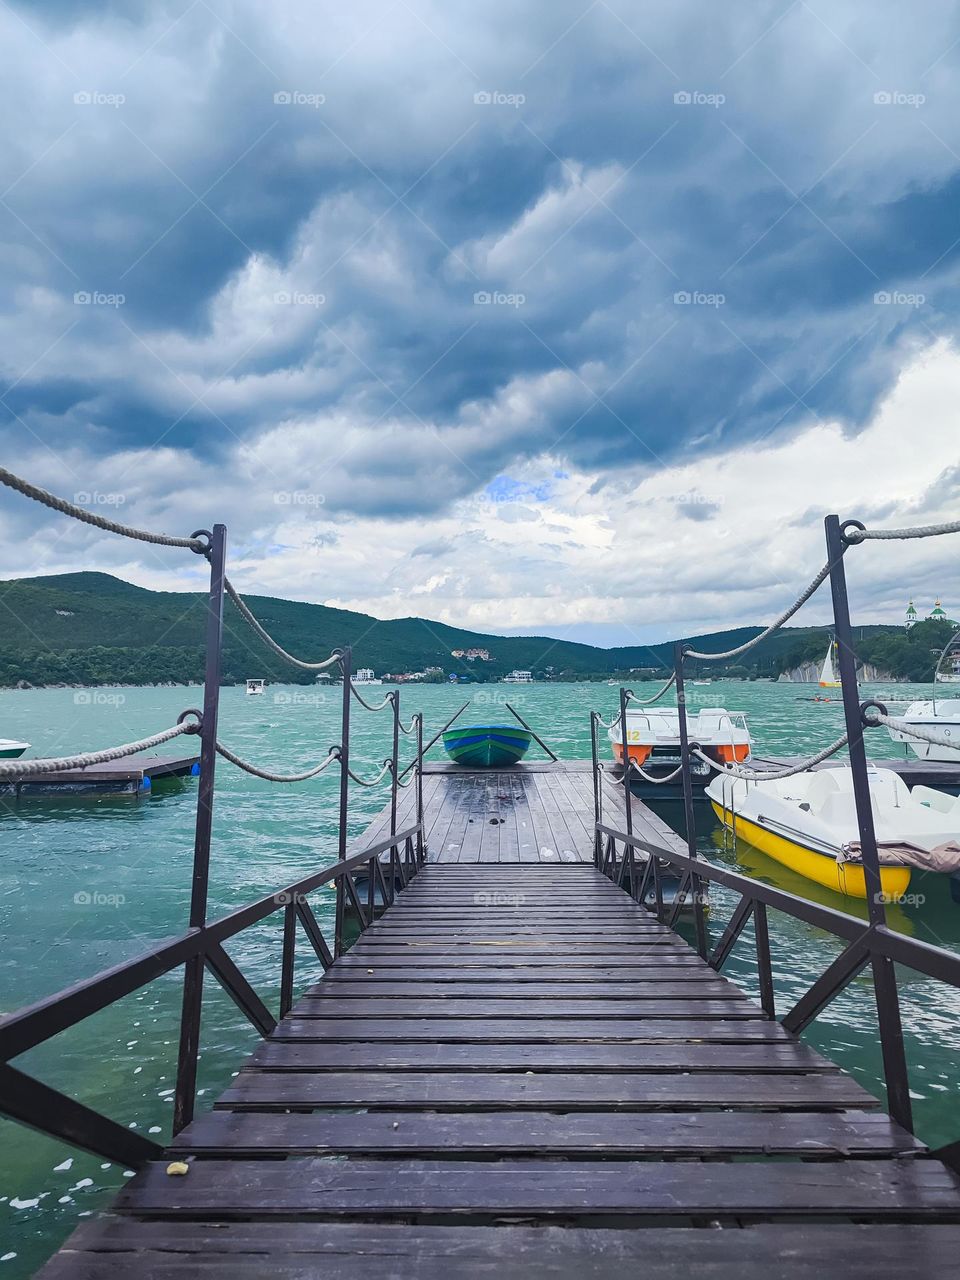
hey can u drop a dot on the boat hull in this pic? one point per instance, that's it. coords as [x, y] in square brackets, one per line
[487, 746]
[12, 750]
[843, 877]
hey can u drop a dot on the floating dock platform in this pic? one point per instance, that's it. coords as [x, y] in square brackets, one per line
[131, 776]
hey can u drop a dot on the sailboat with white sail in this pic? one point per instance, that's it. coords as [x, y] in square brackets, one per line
[828, 674]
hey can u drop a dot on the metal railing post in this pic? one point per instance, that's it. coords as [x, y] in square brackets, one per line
[884, 974]
[421, 849]
[690, 821]
[189, 1048]
[595, 762]
[346, 666]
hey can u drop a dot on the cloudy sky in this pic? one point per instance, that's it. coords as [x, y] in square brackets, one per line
[572, 318]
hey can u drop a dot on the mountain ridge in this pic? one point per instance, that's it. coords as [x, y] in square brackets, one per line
[95, 628]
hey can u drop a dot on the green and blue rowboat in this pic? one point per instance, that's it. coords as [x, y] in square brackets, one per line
[487, 746]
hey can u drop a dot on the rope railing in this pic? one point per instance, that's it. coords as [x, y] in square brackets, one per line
[66, 508]
[372, 782]
[415, 719]
[20, 768]
[379, 706]
[270, 776]
[248, 617]
[770, 775]
[787, 614]
[912, 730]
[891, 535]
[649, 777]
[400, 773]
[646, 702]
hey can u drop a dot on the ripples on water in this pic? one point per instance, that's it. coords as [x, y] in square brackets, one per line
[139, 853]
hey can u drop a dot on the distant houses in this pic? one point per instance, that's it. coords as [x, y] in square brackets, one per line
[472, 655]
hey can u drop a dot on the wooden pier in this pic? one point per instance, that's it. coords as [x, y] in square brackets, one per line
[519, 1071]
[131, 776]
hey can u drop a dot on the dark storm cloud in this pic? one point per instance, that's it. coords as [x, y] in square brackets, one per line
[656, 230]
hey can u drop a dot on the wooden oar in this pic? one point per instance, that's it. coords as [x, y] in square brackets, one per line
[517, 716]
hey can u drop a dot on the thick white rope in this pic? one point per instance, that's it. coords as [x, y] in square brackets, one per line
[769, 775]
[268, 639]
[88, 517]
[386, 702]
[269, 776]
[646, 702]
[912, 730]
[920, 531]
[415, 719]
[19, 768]
[372, 782]
[774, 626]
[648, 777]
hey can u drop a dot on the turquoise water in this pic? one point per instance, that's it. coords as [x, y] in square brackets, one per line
[132, 859]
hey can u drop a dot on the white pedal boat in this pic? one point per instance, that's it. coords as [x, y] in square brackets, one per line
[653, 737]
[809, 823]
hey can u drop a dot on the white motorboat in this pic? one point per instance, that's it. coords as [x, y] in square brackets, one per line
[808, 822]
[255, 688]
[939, 714]
[11, 749]
[653, 737]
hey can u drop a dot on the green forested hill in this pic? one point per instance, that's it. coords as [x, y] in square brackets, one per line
[91, 628]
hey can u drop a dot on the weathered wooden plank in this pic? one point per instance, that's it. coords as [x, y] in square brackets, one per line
[664, 983]
[671, 1023]
[813, 1135]
[558, 975]
[492, 1006]
[473, 1091]
[321, 1055]
[318, 1187]
[118, 1247]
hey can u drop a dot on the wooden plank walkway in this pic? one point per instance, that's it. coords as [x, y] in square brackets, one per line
[518, 1069]
[537, 812]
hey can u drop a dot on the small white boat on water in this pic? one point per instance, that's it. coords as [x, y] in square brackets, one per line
[828, 674]
[653, 737]
[941, 715]
[255, 688]
[11, 749]
[809, 823]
